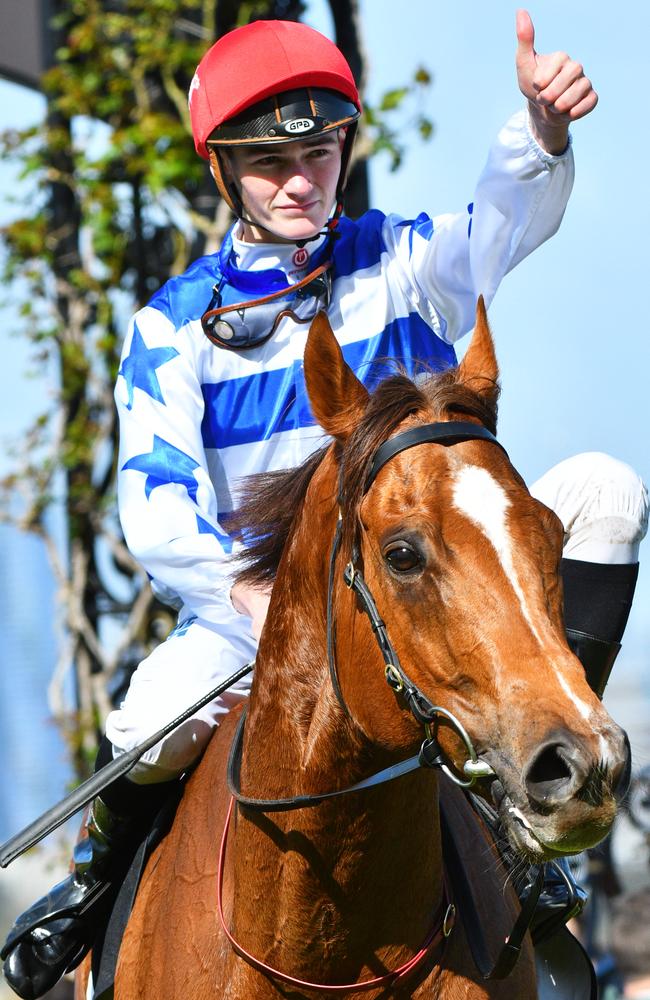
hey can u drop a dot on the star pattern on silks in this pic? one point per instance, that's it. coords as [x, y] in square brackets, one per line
[139, 367]
[205, 528]
[165, 464]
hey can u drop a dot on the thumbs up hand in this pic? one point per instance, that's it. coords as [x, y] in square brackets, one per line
[556, 87]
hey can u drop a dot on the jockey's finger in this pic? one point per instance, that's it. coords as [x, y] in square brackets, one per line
[584, 106]
[548, 68]
[568, 75]
[573, 96]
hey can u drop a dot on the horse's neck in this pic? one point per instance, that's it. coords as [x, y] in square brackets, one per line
[364, 868]
[322, 890]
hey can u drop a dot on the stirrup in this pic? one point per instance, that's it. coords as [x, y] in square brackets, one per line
[49, 908]
[560, 900]
[53, 935]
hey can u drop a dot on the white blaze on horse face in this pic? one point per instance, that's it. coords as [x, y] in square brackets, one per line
[478, 495]
[480, 498]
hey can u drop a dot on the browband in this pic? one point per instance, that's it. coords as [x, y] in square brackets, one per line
[444, 432]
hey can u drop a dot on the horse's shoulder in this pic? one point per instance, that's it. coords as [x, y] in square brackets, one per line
[178, 886]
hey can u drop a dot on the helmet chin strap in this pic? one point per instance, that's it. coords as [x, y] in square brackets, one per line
[229, 190]
[328, 229]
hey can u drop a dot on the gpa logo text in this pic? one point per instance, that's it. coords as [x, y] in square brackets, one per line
[297, 125]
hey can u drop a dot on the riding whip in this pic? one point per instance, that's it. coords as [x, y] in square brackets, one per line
[92, 787]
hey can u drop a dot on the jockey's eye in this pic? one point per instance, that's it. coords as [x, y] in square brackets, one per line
[402, 556]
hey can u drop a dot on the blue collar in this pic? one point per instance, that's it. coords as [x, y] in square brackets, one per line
[265, 282]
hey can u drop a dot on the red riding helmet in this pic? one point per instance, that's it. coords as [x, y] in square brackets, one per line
[271, 81]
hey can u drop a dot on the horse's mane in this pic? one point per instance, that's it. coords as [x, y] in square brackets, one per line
[270, 501]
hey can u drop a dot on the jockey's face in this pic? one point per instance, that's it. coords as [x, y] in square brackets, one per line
[287, 189]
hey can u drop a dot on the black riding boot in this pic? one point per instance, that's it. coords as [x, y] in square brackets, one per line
[597, 598]
[597, 603]
[54, 934]
[596, 655]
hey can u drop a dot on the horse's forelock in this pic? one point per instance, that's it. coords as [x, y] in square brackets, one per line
[438, 396]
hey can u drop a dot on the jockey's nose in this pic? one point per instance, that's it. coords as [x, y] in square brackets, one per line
[299, 183]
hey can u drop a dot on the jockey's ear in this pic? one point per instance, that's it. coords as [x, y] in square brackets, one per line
[479, 369]
[337, 397]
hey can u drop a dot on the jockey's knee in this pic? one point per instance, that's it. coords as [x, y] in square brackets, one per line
[602, 503]
[178, 673]
[177, 751]
[174, 754]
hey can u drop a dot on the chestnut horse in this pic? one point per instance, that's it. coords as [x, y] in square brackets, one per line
[462, 563]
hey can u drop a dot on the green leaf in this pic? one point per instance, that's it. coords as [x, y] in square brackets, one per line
[393, 98]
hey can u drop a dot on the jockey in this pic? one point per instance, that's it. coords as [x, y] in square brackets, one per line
[211, 389]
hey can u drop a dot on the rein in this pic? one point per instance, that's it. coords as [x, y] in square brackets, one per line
[442, 927]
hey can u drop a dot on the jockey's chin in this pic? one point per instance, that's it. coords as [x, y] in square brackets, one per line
[287, 224]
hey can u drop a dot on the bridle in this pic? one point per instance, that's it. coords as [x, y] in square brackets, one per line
[424, 711]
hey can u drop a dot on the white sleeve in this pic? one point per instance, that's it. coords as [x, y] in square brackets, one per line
[519, 203]
[167, 502]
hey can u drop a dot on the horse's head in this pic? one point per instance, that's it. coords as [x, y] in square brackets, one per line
[463, 564]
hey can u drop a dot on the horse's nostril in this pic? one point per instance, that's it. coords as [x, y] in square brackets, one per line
[550, 776]
[623, 772]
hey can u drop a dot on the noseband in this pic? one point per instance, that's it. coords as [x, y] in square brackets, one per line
[424, 711]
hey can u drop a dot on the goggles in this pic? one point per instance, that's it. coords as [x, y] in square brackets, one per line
[247, 307]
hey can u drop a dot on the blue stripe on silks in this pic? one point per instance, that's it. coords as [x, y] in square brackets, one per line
[250, 409]
[182, 627]
[205, 528]
[186, 296]
[423, 226]
[360, 243]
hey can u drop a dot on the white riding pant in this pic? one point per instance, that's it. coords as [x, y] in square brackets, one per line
[601, 502]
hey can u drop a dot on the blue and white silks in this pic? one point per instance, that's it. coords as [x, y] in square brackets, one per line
[195, 418]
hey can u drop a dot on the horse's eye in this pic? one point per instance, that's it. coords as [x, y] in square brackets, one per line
[402, 557]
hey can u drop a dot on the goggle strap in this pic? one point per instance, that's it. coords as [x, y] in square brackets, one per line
[220, 342]
[211, 315]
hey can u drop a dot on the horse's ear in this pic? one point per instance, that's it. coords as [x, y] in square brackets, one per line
[479, 369]
[337, 397]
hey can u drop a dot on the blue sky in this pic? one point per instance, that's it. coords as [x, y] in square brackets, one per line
[570, 323]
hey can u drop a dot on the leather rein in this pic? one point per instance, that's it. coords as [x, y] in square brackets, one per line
[424, 711]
